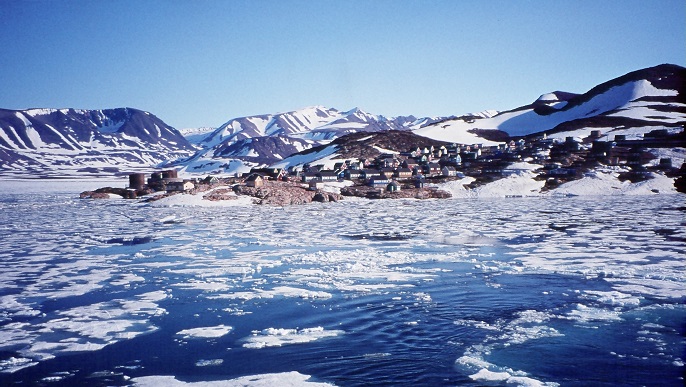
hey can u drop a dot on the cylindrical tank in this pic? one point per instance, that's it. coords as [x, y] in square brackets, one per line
[170, 174]
[137, 180]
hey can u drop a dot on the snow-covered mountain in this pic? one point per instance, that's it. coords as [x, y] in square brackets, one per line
[69, 142]
[316, 123]
[266, 139]
[196, 135]
[632, 104]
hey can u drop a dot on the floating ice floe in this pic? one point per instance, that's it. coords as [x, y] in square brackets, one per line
[14, 364]
[586, 314]
[485, 372]
[613, 298]
[293, 379]
[205, 332]
[276, 337]
[85, 328]
[279, 291]
[209, 362]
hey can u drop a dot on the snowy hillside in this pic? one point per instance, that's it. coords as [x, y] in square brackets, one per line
[196, 135]
[266, 139]
[316, 123]
[68, 142]
[631, 105]
[644, 100]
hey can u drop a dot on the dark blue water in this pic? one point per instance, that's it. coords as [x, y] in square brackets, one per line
[478, 292]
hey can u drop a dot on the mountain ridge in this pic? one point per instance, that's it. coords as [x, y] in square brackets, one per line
[77, 142]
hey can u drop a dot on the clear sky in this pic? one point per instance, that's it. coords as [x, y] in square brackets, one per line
[202, 62]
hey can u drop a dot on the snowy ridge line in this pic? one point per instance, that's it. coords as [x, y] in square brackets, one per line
[67, 142]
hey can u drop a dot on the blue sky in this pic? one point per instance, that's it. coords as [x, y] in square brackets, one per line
[201, 63]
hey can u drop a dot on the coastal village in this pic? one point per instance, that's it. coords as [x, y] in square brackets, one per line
[415, 173]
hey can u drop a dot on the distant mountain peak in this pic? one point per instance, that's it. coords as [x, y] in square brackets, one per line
[71, 142]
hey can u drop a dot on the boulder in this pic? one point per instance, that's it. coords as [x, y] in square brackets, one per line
[320, 197]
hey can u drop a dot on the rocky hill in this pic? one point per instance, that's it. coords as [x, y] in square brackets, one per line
[360, 146]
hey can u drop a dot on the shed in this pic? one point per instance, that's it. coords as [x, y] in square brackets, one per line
[180, 186]
[254, 180]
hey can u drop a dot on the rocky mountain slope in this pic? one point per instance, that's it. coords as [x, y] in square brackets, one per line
[67, 142]
[359, 146]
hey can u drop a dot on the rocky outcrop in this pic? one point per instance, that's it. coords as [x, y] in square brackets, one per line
[94, 195]
[104, 193]
[405, 193]
[278, 193]
[323, 197]
[281, 193]
[220, 194]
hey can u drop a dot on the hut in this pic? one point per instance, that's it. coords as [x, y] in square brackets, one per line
[254, 180]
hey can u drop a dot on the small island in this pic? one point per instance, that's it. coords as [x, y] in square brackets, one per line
[268, 190]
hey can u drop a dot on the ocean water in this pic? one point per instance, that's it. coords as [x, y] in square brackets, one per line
[519, 291]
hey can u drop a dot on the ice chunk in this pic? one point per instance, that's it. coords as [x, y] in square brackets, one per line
[275, 337]
[205, 332]
[265, 380]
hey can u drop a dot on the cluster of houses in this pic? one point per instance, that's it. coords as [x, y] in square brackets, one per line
[561, 159]
[385, 171]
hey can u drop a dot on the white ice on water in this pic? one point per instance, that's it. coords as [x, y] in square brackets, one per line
[295, 255]
[277, 337]
[205, 332]
[285, 379]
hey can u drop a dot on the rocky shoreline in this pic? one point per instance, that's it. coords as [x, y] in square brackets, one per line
[274, 193]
